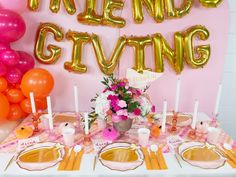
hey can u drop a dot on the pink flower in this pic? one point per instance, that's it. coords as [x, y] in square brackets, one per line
[121, 84]
[122, 104]
[153, 109]
[110, 134]
[113, 87]
[123, 117]
[137, 112]
[116, 118]
[122, 112]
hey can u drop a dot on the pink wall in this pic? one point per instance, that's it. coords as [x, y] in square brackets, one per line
[198, 84]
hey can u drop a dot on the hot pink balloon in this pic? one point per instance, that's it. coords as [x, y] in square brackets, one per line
[9, 57]
[13, 76]
[15, 5]
[4, 46]
[26, 62]
[3, 69]
[12, 26]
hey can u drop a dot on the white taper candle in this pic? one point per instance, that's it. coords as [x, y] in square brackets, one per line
[163, 126]
[49, 105]
[76, 99]
[32, 102]
[216, 111]
[177, 95]
[86, 123]
[195, 113]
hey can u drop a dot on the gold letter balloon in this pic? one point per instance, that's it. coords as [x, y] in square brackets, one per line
[172, 11]
[139, 44]
[55, 51]
[210, 3]
[78, 40]
[107, 66]
[69, 5]
[33, 5]
[203, 51]
[108, 18]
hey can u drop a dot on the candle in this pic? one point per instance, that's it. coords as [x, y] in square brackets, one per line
[49, 105]
[177, 95]
[163, 126]
[86, 123]
[32, 102]
[216, 111]
[76, 99]
[194, 121]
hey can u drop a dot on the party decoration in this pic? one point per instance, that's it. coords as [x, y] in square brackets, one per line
[5, 106]
[39, 81]
[26, 106]
[13, 75]
[110, 134]
[178, 12]
[78, 40]
[24, 132]
[69, 5]
[9, 57]
[138, 11]
[15, 112]
[210, 3]
[108, 66]
[161, 49]
[203, 51]
[3, 69]
[159, 10]
[108, 18]
[12, 28]
[3, 84]
[26, 62]
[14, 96]
[55, 52]
[139, 44]
[89, 16]
[33, 4]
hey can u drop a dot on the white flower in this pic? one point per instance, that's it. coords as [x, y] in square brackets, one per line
[146, 106]
[102, 104]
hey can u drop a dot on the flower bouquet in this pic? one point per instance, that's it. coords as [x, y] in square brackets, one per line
[121, 103]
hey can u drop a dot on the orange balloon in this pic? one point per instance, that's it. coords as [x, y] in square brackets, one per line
[15, 112]
[24, 114]
[14, 96]
[40, 104]
[26, 106]
[39, 81]
[3, 84]
[4, 107]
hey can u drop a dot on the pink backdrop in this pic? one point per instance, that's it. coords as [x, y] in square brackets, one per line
[198, 84]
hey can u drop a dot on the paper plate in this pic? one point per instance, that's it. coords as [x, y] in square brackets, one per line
[121, 156]
[40, 156]
[201, 155]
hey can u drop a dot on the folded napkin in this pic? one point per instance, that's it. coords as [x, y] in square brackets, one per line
[71, 161]
[154, 161]
[147, 159]
[64, 162]
[78, 159]
[161, 159]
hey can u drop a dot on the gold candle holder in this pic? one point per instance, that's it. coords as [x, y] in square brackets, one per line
[87, 140]
[173, 128]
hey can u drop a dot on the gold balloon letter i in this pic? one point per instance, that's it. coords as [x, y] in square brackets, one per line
[78, 40]
[69, 5]
[55, 52]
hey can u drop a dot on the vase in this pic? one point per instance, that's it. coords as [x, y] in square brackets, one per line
[123, 126]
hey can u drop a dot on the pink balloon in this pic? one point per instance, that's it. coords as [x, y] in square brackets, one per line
[3, 69]
[4, 46]
[12, 26]
[13, 76]
[26, 62]
[9, 57]
[15, 5]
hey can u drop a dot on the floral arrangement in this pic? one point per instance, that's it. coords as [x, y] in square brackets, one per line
[120, 101]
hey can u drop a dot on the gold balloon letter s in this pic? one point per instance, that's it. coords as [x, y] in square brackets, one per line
[55, 52]
[203, 51]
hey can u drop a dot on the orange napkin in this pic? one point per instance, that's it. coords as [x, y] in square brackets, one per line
[147, 159]
[155, 165]
[161, 159]
[231, 163]
[71, 161]
[63, 163]
[229, 160]
[78, 160]
[230, 155]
